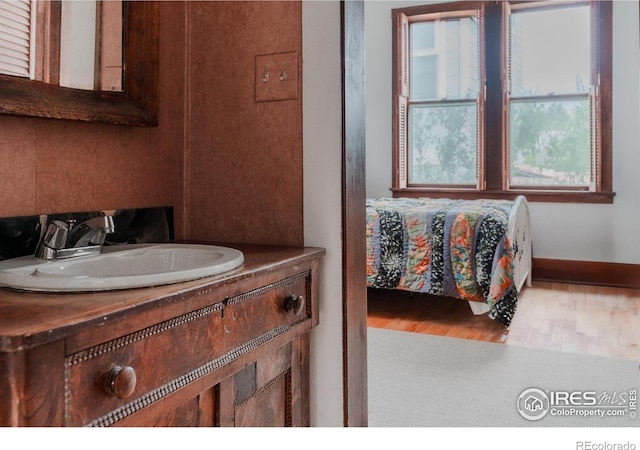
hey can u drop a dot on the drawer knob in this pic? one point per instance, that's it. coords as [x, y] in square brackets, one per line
[120, 381]
[294, 303]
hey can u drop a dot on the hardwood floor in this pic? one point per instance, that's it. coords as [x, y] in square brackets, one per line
[602, 321]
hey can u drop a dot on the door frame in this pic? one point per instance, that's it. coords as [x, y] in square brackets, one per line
[354, 293]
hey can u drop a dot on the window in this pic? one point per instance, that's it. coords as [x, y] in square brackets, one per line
[29, 39]
[66, 43]
[497, 99]
[15, 38]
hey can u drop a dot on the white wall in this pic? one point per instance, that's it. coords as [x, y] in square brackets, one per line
[322, 141]
[581, 232]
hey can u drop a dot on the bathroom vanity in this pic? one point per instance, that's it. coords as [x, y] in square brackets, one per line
[227, 350]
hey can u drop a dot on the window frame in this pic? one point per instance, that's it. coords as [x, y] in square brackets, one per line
[493, 158]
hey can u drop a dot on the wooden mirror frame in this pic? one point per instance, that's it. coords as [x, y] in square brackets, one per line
[137, 105]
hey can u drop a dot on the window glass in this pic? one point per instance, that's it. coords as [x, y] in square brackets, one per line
[550, 51]
[444, 72]
[444, 59]
[443, 144]
[549, 120]
[549, 142]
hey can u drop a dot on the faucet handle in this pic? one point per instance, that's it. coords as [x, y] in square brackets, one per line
[56, 235]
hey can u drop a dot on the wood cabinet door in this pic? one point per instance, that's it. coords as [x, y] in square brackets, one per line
[269, 392]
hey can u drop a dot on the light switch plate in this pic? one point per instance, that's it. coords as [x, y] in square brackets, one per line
[277, 77]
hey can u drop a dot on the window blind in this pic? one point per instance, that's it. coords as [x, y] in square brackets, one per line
[15, 37]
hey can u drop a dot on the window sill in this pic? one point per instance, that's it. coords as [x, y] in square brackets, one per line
[532, 196]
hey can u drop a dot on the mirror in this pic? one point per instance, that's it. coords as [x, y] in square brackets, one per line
[137, 102]
[87, 51]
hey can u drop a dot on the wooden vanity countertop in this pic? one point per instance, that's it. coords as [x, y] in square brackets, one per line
[28, 319]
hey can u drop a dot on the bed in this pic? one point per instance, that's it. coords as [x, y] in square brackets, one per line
[474, 250]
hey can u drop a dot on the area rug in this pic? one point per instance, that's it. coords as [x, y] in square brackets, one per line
[418, 380]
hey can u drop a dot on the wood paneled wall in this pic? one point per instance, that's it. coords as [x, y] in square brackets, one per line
[231, 167]
[244, 181]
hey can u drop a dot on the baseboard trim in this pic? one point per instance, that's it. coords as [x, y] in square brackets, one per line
[587, 272]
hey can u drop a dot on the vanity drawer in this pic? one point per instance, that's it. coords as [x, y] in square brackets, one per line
[121, 376]
[256, 315]
[110, 381]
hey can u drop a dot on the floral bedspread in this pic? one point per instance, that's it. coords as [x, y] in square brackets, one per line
[455, 248]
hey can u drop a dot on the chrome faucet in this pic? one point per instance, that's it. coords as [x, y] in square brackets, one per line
[69, 240]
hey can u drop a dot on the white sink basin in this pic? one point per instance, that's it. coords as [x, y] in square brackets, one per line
[120, 267]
